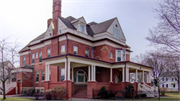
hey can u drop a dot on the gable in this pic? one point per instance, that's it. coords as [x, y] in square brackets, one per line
[113, 26]
[48, 32]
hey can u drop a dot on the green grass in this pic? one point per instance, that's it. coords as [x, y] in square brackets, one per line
[22, 99]
[172, 95]
[158, 99]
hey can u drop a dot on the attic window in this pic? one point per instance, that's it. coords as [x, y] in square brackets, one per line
[116, 26]
[82, 28]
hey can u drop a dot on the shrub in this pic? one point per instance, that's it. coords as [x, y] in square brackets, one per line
[103, 93]
[112, 94]
[163, 90]
[55, 93]
[143, 95]
[129, 89]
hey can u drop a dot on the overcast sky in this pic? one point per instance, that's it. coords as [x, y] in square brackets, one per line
[24, 20]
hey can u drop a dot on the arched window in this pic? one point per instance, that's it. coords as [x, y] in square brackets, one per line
[116, 79]
[80, 76]
[111, 55]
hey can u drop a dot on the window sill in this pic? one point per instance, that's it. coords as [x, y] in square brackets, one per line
[36, 82]
[111, 58]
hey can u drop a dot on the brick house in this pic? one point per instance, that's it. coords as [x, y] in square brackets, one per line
[79, 55]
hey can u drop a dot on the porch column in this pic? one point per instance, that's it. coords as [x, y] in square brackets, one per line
[143, 76]
[72, 74]
[136, 76]
[127, 74]
[94, 73]
[89, 71]
[47, 73]
[69, 70]
[111, 75]
[123, 74]
[92, 78]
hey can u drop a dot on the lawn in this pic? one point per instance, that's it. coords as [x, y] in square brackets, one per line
[173, 95]
[22, 99]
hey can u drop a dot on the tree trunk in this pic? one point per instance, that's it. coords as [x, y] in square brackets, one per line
[4, 91]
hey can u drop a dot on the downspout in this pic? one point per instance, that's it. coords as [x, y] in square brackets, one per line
[66, 65]
[125, 74]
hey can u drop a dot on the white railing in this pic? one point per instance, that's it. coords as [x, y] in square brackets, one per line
[150, 91]
[10, 86]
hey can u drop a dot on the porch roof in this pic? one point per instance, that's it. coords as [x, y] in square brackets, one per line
[92, 59]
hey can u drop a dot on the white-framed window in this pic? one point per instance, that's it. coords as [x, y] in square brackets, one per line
[60, 31]
[36, 54]
[80, 76]
[116, 31]
[87, 52]
[33, 58]
[50, 34]
[111, 55]
[124, 55]
[62, 74]
[63, 49]
[40, 56]
[42, 76]
[48, 53]
[162, 85]
[75, 50]
[37, 76]
[24, 59]
[82, 28]
[118, 55]
[166, 85]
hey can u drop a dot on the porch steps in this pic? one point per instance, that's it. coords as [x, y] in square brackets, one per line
[81, 93]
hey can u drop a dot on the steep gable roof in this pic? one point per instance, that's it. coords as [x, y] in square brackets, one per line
[67, 22]
[102, 27]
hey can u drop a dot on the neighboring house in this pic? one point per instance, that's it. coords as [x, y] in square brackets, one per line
[168, 81]
[79, 56]
[10, 84]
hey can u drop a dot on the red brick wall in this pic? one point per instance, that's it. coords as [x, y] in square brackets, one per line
[26, 78]
[103, 75]
[105, 54]
[127, 57]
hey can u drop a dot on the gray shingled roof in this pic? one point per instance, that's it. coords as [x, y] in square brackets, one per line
[102, 27]
[92, 28]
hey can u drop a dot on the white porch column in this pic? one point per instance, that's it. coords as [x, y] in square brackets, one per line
[111, 75]
[72, 74]
[65, 71]
[89, 71]
[136, 76]
[46, 73]
[123, 74]
[143, 76]
[92, 78]
[94, 73]
[69, 69]
[127, 74]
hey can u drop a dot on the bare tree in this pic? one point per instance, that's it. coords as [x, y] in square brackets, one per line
[8, 56]
[167, 33]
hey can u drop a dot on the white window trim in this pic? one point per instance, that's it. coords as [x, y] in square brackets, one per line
[74, 48]
[77, 77]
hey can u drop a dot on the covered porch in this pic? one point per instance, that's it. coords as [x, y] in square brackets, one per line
[91, 74]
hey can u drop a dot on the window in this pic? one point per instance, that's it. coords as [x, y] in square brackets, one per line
[37, 55]
[40, 56]
[163, 79]
[174, 85]
[60, 31]
[166, 79]
[42, 75]
[167, 85]
[87, 53]
[33, 58]
[24, 59]
[48, 53]
[162, 85]
[80, 76]
[172, 79]
[124, 55]
[111, 55]
[82, 28]
[37, 76]
[50, 34]
[62, 74]
[116, 32]
[63, 49]
[75, 50]
[118, 55]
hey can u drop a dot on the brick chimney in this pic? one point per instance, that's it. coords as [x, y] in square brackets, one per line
[56, 14]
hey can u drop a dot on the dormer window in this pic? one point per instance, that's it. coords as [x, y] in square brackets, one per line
[82, 28]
